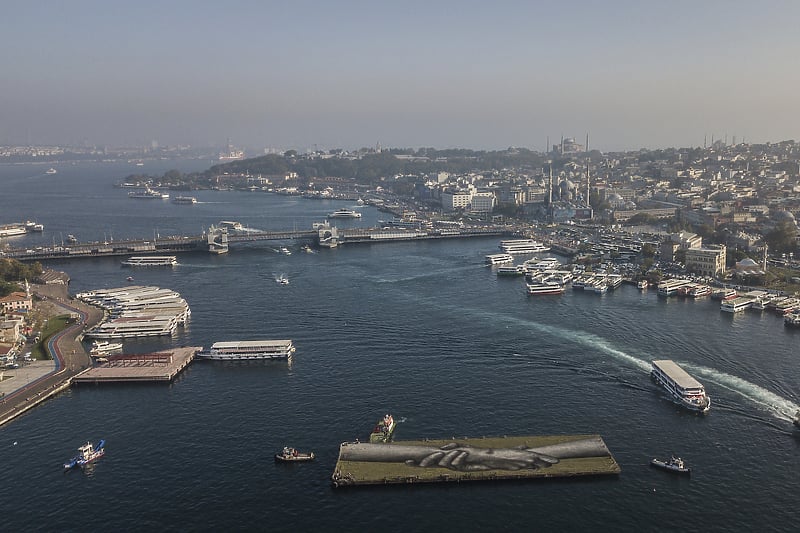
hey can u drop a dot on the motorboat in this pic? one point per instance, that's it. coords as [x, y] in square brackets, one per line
[282, 280]
[673, 464]
[291, 455]
[86, 454]
[104, 347]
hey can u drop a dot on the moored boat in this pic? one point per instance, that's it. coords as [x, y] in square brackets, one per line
[86, 454]
[291, 455]
[642, 284]
[104, 347]
[683, 389]
[384, 430]
[674, 464]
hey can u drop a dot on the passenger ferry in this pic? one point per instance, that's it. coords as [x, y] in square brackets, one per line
[249, 350]
[734, 305]
[670, 287]
[543, 287]
[497, 259]
[149, 194]
[523, 246]
[10, 230]
[699, 291]
[682, 388]
[184, 200]
[151, 260]
[344, 213]
[724, 294]
[511, 270]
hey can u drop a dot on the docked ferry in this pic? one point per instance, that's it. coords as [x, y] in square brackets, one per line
[523, 246]
[497, 259]
[544, 287]
[151, 260]
[682, 388]
[249, 350]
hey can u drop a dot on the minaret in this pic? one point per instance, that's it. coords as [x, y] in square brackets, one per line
[550, 186]
[588, 186]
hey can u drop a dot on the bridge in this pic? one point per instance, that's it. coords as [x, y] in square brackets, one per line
[218, 240]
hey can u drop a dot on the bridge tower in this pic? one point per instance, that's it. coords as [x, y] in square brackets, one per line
[217, 240]
[328, 236]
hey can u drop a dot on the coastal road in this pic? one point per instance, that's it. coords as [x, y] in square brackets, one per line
[69, 355]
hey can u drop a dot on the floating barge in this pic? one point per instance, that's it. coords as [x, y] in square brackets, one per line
[147, 367]
[472, 459]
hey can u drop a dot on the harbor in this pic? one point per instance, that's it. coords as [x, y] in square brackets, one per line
[458, 460]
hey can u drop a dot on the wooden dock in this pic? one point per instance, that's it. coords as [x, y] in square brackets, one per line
[147, 367]
[472, 459]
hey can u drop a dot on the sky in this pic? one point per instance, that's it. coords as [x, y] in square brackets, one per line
[443, 74]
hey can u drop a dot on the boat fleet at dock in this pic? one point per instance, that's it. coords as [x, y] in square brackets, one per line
[137, 311]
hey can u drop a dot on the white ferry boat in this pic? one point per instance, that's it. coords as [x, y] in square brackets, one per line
[9, 230]
[523, 246]
[682, 388]
[670, 287]
[184, 200]
[699, 291]
[511, 270]
[735, 305]
[497, 259]
[344, 213]
[151, 260]
[249, 350]
[148, 193]
[543, 287]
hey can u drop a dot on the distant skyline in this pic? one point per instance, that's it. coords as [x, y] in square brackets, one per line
[445, 74]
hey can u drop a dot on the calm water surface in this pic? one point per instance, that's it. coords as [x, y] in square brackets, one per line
[422, 330]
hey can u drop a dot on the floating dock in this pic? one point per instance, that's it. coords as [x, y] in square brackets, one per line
[472, 459]
[146, 367]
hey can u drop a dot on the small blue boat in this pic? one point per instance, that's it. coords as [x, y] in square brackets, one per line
[87, 454]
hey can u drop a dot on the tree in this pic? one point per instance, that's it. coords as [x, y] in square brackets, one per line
[783, 238]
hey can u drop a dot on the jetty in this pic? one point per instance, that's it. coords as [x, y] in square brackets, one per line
[146, 367]
[472, 459]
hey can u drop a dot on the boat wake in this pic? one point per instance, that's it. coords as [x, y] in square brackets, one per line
[769, 401]
[778, 406]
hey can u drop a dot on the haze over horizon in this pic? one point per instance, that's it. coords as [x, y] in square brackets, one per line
[407, 74]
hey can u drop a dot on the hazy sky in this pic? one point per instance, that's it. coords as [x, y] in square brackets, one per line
[474, 74]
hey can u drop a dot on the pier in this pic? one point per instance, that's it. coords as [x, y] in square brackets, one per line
[151, 367]
[472, 459]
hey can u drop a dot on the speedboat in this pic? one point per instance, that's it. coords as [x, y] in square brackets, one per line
[291, 455]
[674, 464]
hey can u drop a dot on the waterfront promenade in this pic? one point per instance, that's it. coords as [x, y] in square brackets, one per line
[36, 382]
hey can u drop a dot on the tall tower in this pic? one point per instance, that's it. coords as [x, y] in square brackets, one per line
[550, 186]
[588, 186]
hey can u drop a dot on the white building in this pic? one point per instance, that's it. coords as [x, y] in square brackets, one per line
[483, 202]
[452, 200]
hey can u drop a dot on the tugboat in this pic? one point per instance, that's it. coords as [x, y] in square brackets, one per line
[384, 430]
[674, 464]
[291, 455]
[87, 454]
